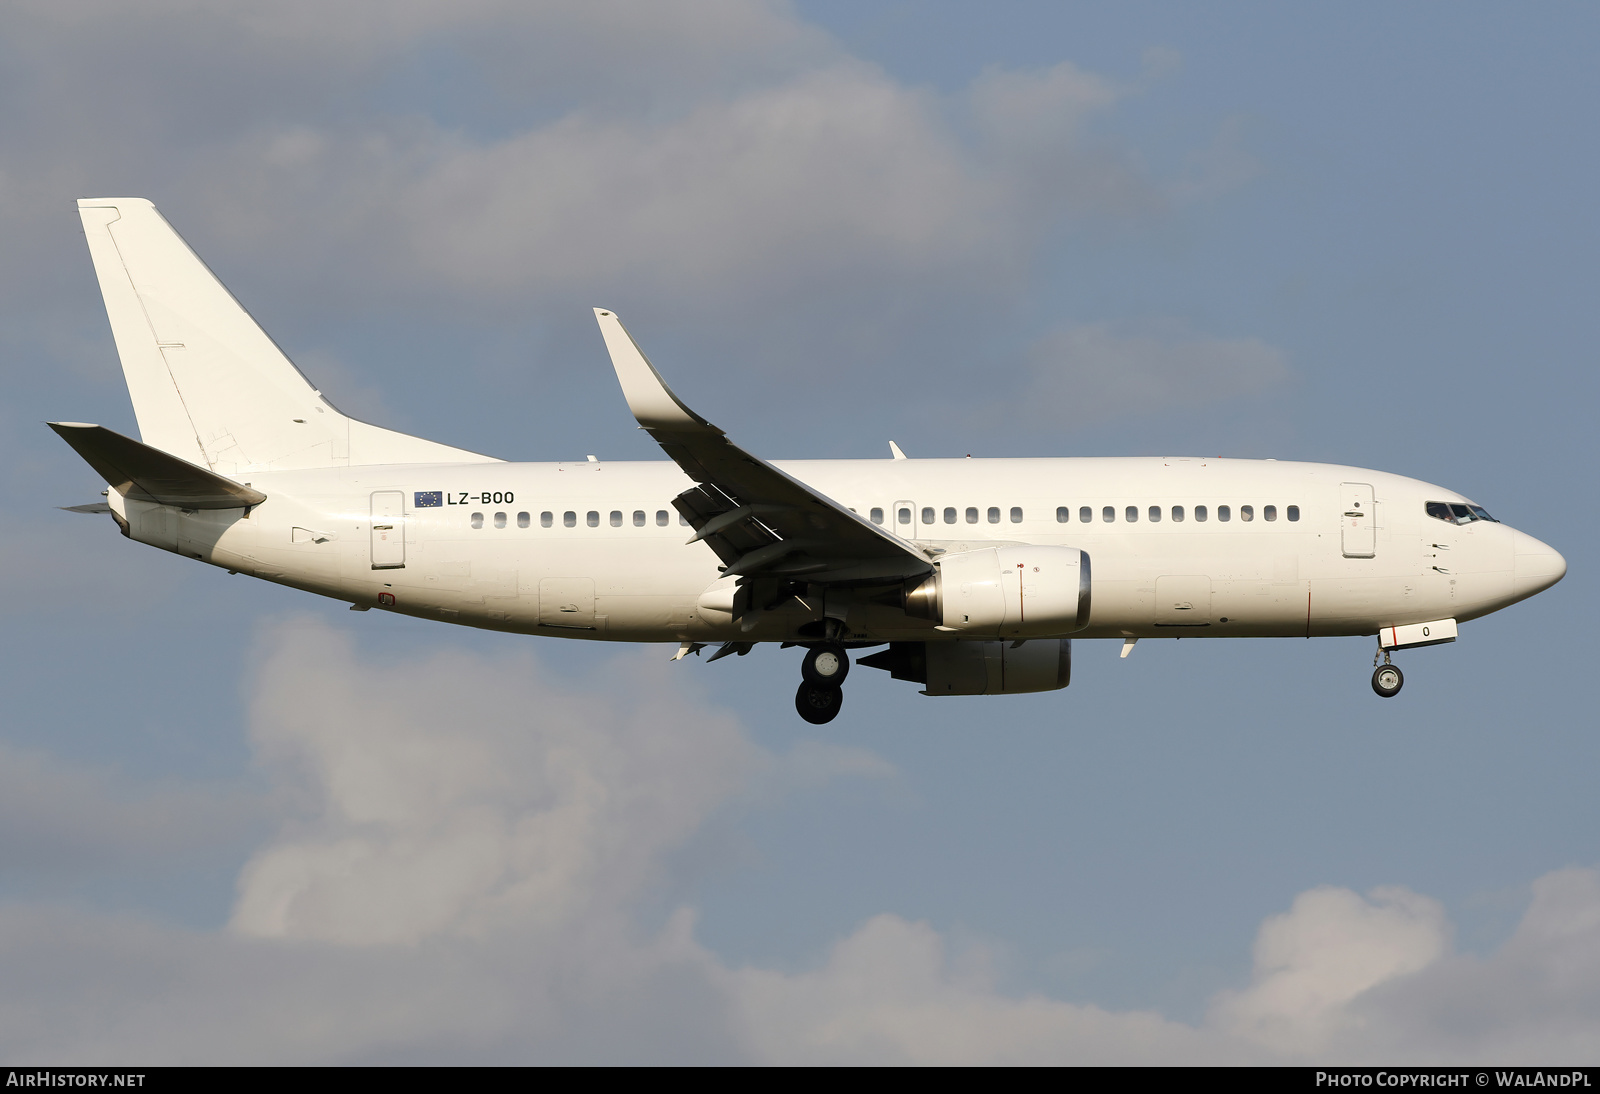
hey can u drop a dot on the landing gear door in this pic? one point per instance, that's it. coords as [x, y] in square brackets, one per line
[905, 519]
[388, 530]
[1356, 519]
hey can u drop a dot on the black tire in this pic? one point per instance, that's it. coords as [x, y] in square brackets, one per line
[1387, 680]
[826, 665]
[818, 703]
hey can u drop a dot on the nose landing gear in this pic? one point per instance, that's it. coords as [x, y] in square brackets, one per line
[824, 668]
[1387, 679]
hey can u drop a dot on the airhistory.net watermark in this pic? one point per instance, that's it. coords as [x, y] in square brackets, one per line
[48, 1078]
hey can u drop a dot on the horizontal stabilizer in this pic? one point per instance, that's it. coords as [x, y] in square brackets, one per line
[138, 471]
[93, 507]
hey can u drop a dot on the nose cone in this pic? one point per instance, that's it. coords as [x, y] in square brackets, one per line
[1537, 566]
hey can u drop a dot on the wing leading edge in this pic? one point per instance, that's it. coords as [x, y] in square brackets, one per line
[760, 521]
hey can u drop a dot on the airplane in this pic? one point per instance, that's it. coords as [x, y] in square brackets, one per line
[973, 575]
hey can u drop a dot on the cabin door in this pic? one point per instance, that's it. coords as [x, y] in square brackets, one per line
[388, 530]
[1356, 519]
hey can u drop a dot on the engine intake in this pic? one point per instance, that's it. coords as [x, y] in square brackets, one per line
[1006, 592]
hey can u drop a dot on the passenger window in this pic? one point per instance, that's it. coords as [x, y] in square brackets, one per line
[683, 521]
[616, 518]
[499, 520]
[1109, 514]
[928, 515]
[1177, 513]
[1085, 514]
[661, 518]
[477, 520]
[1247, 512]
[638, 518]
[994, 514]
[1131, 514]
[1016, 514]
[1063, 514]
[569, 519]
[1269, 512]
[523, 520]
[1155, 514]
[1224, 513]
[905, 516]
[592, 519]
[972, 514]
[1293, 512]
[949, 516]
[877, 516]
[546, 519]
[1200, 513]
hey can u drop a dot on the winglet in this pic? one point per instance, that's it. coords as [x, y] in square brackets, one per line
[649, 397]
[894, 451]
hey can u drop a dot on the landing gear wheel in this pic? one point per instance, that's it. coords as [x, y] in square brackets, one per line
[827, 665]
[1386, 680]
[818, 703]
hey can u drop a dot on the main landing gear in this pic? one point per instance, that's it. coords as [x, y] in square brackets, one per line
[1387, 679]
[824, 668]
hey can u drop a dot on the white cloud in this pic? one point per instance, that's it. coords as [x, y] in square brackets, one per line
[887, 995]
[526, 47]
[723, 162]
[1327, 950]
[464, 797]
[833, 185]
[1034, 134]
[1535, 998]
[466, 847]
[752, 198]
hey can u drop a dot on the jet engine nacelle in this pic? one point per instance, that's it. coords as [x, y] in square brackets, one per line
[998, 668]
[979, 667]
[1006, 592]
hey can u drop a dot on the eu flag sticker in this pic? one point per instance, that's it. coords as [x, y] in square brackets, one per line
[428, 498]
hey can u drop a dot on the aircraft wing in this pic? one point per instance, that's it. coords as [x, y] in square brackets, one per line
[760, 521]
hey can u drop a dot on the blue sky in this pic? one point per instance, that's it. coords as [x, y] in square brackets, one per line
[1362, 234]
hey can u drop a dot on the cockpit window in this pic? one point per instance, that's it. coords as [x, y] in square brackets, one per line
[1454, 512]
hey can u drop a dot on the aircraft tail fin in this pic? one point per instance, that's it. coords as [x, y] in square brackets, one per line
[139, 471]
[208, 385]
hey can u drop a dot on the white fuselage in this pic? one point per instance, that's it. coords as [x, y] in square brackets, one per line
[596, 550]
